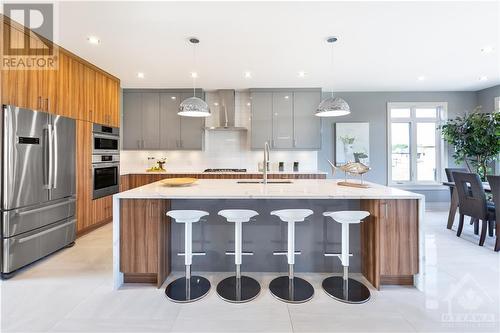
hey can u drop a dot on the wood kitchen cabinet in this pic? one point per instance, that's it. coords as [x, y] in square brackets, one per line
[106, 104]
[389, 241]
[90, 213]
[74, 89]
[14, 82]
[83, 175]
[285, 118]
[87, 109]
[145, 240]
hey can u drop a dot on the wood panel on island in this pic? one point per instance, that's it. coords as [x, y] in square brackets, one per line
[74, 88]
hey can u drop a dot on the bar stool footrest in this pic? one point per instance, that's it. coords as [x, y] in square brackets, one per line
[244, 253]
[335, 254]
[284, 253]
[194, 254]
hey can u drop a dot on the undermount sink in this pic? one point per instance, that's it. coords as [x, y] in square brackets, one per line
[262, 182]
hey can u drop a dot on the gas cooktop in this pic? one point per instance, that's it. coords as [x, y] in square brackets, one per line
[225, 170]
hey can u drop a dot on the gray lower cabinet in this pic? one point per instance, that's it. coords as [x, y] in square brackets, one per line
[306, 126]
[150, 121]
[286, 119]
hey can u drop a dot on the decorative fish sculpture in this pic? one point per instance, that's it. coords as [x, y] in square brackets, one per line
[352, 168]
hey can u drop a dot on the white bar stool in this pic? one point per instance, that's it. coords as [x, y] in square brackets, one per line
[290, 288]
[188, 288]
[238, 288]
[343, 288]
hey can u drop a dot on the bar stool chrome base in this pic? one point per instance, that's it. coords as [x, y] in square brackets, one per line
[353, 293]
[182, 292]
[234, 291]
[294, 290]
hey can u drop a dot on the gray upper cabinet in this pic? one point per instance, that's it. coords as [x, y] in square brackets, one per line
[262, 108]
[282, 120]
[150, 121]
[170, 121]
[150, 124]
[307, 126]
[285, 118]
[192, 129]
[132, 120]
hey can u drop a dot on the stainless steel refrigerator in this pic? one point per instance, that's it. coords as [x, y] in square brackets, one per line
[38, 197]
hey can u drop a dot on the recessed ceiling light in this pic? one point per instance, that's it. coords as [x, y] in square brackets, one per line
[173, 97]
[216, 104]
[194, 75]
[287, 97]
[248, 104]
[140, 75]
[93, 40]
[301, 74]
[487, 49]
[421, 78]
[483, 78]
[248, 75]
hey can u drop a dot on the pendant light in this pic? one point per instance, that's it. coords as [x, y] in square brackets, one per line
[332, 106]
[194, 106]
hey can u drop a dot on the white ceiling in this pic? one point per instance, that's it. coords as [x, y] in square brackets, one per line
[383, 46]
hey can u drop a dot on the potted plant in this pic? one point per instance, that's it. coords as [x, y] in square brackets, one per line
[476, 138]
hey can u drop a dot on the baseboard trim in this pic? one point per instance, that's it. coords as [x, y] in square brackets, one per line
[140, 278]
[401, 280]
[93, 227]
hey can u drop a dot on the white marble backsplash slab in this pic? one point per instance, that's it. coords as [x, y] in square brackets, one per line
[222, 150]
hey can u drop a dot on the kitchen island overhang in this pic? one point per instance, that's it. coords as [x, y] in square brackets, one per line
[389, 250]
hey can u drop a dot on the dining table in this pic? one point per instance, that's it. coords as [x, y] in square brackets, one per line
[454, 201]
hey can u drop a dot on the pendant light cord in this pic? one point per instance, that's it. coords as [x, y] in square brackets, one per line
[331, 64]
[194, 73]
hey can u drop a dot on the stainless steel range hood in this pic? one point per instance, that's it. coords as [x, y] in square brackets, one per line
[224, 102]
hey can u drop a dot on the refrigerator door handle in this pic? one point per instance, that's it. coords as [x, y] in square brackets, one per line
[55, 157]
[46, 158]
[51, 156]
[27, 238]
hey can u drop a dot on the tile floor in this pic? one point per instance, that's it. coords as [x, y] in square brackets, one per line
[71, 291]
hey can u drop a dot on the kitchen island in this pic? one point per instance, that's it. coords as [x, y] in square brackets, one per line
[387, 246]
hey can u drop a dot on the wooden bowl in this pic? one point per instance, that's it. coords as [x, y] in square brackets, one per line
[179, 181]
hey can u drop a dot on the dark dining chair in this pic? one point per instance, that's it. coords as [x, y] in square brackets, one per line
[449, 177]
[495, 191]
[472, 202]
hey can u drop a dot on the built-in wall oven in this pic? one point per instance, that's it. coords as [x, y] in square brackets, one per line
[105, 161]
[105, 140]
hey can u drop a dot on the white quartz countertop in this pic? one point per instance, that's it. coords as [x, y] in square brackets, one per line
[223, 173]
[298, 189]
